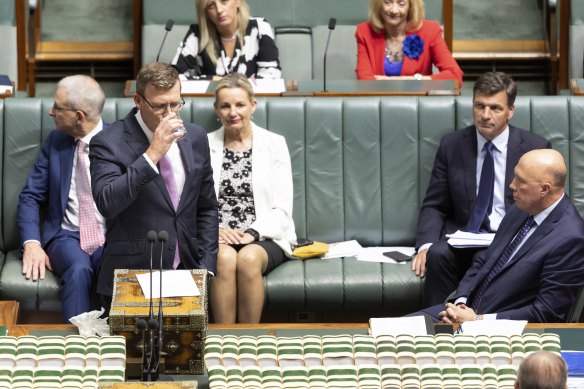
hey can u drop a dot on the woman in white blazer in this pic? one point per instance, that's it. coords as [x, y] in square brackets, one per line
[253, 182]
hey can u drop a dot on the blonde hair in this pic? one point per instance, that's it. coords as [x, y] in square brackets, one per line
[210, 36]
[234, 80]
[416, 15]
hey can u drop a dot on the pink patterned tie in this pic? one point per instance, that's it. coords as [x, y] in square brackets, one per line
[90, 234]
[168, 176]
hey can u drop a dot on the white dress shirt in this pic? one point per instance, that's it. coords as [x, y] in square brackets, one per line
[500, 161]
[173, 154]
[71, 219]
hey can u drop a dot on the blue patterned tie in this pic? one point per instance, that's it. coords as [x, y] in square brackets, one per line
[475, 300]
[478, 221]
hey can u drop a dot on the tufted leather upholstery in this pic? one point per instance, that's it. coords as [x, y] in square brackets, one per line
[360, 168]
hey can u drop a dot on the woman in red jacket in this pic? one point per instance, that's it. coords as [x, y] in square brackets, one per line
[398, 42]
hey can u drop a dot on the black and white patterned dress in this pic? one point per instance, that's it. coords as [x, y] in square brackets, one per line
[236, 205]
[258, 57]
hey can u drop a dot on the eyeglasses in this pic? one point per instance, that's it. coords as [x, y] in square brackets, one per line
[57, 108]
[159, 108]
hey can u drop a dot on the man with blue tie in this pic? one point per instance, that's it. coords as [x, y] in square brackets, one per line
[69, 239]
[152, 171]
[468, 189]
[534, 267]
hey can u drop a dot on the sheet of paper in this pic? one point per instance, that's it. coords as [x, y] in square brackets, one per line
[375, 254]
[493, 327]
[265, 85]
[189, 87]
[414, 325]
[175, 283]
[344, 249]
[468, 239]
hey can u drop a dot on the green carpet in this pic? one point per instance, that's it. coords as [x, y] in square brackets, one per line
[497, 19]
[87, 20]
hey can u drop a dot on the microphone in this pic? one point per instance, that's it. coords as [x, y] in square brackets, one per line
[162, 238]
[152, 238]
[168, 27]
[331, 26]
[141, 325]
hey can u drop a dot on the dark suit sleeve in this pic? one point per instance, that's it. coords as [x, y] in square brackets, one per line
[560, 279]
[114, 186]
[33, 195]
[207, 214]
[437, 203]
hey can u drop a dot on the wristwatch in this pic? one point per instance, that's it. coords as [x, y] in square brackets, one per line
[418, 76]
[254, 233]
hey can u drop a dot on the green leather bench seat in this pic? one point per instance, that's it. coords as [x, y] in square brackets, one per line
[360, 168]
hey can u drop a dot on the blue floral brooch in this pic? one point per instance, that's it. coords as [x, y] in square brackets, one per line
[413, 46]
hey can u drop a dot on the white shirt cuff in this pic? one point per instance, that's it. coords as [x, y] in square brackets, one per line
[424, 247]
[490, 316]
[30, 241]
[151, 163]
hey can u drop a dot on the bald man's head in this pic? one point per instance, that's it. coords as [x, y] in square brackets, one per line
[539, 180]
[542, 370]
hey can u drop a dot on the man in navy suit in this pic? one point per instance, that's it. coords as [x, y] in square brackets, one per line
[69, 240]
[534, 267]
[453, 192]
[145, 177]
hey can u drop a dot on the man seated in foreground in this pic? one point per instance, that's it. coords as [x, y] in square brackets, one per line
[535, 265]
[542, 370]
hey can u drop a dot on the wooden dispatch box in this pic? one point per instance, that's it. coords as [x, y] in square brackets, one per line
[185, 322]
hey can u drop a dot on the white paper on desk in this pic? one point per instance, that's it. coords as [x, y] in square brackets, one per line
[194, 86]
[470, 239]
[493, 327]
[266, 85]
[344, 249]
[414, 325]
[375, 254]
[175, 283]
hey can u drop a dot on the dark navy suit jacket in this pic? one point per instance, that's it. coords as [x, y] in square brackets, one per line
[452, 190]
[540, 282]
[47, 187]
[134, 200]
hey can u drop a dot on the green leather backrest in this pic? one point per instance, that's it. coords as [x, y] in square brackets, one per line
[1, 173]
[361, 166]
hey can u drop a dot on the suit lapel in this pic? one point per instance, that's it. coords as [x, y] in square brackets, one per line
[468, 153]
[138, 143]
[186, 155]
[379, 45]
[66, 155]
[539, 234]
[514, 152]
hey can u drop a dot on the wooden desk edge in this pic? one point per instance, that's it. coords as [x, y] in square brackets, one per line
[24, 329]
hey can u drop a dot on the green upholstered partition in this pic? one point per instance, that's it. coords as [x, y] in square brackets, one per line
[2, 247]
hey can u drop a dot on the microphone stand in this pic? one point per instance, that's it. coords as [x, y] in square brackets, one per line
[331, 26]
[168, 27]
[147, 355]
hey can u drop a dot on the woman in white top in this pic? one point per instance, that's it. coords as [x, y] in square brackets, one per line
[253, 182]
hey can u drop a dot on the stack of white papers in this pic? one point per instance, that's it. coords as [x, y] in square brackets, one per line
[469, 239]
[344, 249]
[192, 87]
[375, 254]
[412, 325]
[266, 85]
[493, 327]
[175, 283]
